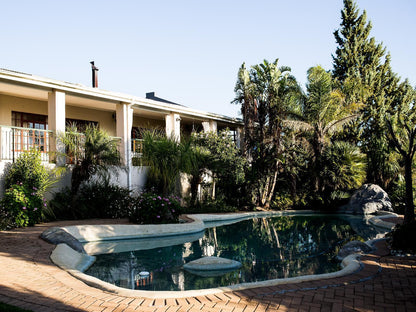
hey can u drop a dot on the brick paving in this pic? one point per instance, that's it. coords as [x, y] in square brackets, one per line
[28, 279]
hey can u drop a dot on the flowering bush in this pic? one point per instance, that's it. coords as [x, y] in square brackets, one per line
[28, 169]
[25, 182]
[150, 208]
[21, 206]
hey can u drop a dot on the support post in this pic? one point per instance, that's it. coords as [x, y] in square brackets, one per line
[173, 126]
[124, 122]
[56, 123]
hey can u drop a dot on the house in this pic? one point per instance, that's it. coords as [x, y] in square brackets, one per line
[33, 109]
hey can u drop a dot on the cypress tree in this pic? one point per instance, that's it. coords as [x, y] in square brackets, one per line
[362, 63]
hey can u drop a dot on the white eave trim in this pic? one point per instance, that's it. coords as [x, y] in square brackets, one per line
[136, 102]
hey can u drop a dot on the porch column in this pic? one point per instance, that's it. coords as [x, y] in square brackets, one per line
[124, 117]
[173, 126]
[209, 126]
[56, 123]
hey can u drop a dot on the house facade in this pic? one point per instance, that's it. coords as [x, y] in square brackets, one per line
[34, 109]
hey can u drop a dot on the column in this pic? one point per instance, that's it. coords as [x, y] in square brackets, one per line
[124, 122]
[173, 126]
[56, 123]
[209, 126]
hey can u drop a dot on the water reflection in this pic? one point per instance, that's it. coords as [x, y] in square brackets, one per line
[268, 248]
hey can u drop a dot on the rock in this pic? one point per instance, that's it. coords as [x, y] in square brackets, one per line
[352, 248]
[56, 235]
[369, 199]
[211, 266]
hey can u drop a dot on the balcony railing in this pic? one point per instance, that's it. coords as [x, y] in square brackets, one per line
[16, 140]
[137, 147]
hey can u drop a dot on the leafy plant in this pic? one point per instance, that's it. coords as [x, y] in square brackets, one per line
[223, 159]
[343, 170]
[21, 206]
[60, 206]
[91, 152]
[210, 205]
[163, 156]
[98, 199]
[101, 199]
[28, 169]
[25, 183]
[151, 208]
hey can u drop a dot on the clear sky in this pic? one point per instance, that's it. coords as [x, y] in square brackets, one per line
[188, 51]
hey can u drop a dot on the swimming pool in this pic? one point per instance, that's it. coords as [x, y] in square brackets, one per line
[268, 248]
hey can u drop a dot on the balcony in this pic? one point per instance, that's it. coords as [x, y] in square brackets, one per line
[15, 140]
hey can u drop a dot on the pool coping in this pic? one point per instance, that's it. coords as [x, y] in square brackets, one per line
[76, 263]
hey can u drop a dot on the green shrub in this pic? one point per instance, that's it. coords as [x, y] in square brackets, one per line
[94, 200]
[104, 200]
[28, 169]
[151, 208]
[21, 206]
[60, 206]
[25, 182]
[209, 205]
[282, 201]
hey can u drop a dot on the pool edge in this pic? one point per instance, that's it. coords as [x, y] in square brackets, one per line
[350, 264]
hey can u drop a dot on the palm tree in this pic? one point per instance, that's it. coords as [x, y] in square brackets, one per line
[91, 152]
[344, 169]
[324, 112]
[265, 94]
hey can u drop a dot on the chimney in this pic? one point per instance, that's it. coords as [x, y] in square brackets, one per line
[94, 75]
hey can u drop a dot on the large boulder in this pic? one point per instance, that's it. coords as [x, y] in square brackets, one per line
[369, 199]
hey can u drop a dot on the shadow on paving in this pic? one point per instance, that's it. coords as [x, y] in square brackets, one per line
[32, 300]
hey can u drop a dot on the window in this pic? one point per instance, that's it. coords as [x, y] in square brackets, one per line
[25, 139]
[80, 124]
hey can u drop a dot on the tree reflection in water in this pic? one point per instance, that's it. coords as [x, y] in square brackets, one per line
[268, 248]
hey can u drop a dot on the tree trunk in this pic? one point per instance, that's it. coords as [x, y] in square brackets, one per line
[273, 186]
[409, 215]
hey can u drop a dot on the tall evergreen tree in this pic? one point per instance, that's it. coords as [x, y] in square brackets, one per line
[362, 63]
[401, 125]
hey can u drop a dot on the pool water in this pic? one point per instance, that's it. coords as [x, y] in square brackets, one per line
[268, 248]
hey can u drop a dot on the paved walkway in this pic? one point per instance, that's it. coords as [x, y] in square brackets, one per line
[29, 280]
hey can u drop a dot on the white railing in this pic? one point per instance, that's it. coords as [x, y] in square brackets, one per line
[136, 151]
[15, 140]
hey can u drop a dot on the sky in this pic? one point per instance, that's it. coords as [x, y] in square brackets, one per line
[188, 51]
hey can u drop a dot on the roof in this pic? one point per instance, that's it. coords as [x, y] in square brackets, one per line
[41, 84]
[152, 96]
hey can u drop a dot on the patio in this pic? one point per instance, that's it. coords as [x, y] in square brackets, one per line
[29, 279]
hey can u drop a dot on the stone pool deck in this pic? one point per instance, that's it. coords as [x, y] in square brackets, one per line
[29, 279]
